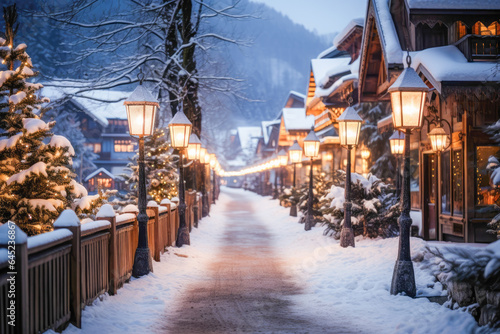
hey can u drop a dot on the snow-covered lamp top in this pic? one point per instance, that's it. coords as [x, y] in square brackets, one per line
[141, 112]
[349, 127]
[397, 142]
[283, 157]
[408, 95]
[194, 147]
[295, 152]
[180, 130]
[439, 139]
[311, 145]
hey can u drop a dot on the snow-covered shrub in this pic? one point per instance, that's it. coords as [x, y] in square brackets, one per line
[374, 210]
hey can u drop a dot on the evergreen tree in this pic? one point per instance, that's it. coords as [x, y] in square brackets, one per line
[36, 182]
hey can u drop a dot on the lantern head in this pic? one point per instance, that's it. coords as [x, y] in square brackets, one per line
[397, 142]
[203, 155]
[349, 127]
[365, 153]
[408, 94]
[180, 130]
[194, 147]
[311, 145]
[295, 152]
[212, 160]
[141, 112]
[439, 139]
[283, 158]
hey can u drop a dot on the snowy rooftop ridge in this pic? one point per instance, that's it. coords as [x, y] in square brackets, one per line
[296, 119]
[360, 21]
[266, 128]
[387, 32]
[324, 68]
[447, 63]
[454, 4]
[248, 135]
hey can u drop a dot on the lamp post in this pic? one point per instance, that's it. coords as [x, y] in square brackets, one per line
[212, 162]
[204, 196]
[180, 131]
[295, 152]
[311, 149]
[349, 128]
[283, 159]
[397, 142]
[408, 95]
[141, 111]
[193, 153]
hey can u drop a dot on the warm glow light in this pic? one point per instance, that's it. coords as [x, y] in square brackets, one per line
[311, 145]
[408, 94]
[141, 112]
[194, 147]
[365, 153]
[212, 160]
[203, 155]
[439, 139]
[397, 142]
[180, 130]
[283, 158]
[349, 127]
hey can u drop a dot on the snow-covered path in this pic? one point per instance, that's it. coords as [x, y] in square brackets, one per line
[252, 268]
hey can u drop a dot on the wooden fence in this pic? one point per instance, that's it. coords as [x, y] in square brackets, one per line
[60, 272]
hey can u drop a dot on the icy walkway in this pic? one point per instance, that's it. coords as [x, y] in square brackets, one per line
[252, 268]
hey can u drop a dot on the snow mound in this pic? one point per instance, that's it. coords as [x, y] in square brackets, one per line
[62, 142]
[131, 208]
[106, 211]
[18, 97]
[33, 125]
[40, 168]
[67, 218]
[152, 204]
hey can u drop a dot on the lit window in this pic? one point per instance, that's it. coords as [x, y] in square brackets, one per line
[124, 146]
[104, 183]
[481, 29]
[486, 192]
[97, 148]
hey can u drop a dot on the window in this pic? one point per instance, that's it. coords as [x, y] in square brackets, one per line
[457, 182]
[486, 193]
[461, 30]
[104, 183]
[124, 145]
[445, 183]
[414, 179]
[94, 147]
[491, 30]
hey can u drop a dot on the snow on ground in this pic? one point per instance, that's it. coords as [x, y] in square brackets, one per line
[350, 284]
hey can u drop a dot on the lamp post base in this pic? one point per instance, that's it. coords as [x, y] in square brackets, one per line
[346, 237]
[183, 237]
[309, 221]
[143, 263]
[293, 210]
[195, 216]
[403, 279]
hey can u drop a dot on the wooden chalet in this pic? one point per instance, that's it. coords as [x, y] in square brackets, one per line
[454, 47]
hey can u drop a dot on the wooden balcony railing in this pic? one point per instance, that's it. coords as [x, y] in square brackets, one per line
[478, 47]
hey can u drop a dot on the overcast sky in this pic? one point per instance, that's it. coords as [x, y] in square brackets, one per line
[322, 16]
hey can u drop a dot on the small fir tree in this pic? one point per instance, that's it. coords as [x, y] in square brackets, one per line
[36, 182]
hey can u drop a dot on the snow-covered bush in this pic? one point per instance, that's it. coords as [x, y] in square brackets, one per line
[374, 210]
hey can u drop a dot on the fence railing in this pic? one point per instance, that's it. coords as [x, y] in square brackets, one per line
[60, 272]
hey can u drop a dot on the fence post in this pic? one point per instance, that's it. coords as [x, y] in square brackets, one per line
[69, 220]
[106, 212]
[154, 207]
[19, 278]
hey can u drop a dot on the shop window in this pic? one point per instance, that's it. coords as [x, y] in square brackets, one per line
[414, 179]
[445, 183]
[457, 182]
[491, 30]
[487, 194]
[123, 145]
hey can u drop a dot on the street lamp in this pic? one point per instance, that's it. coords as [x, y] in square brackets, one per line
[180, 131]
[193, 153]
[349, 128]
[295, 152]
[408, 94]
[283, 158]
[397, 142]
[204, 160]
[439, 139]
[311, 150]
[141, 111]
[212, 161]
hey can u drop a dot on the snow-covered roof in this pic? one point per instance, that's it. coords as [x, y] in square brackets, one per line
[347, 30]
[94, 102]
[387, 32]
[384, 121]
[297, 94]
[296, 119]
[248, 135]
[100, 170]
[326, 52]
[266, 128]
[323, 69]
[447, 63]
[454, 4]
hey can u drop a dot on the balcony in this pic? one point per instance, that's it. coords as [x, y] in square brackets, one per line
[478, 47]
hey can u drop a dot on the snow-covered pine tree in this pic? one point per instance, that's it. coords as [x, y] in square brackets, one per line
[161, 169]
[36, 182]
